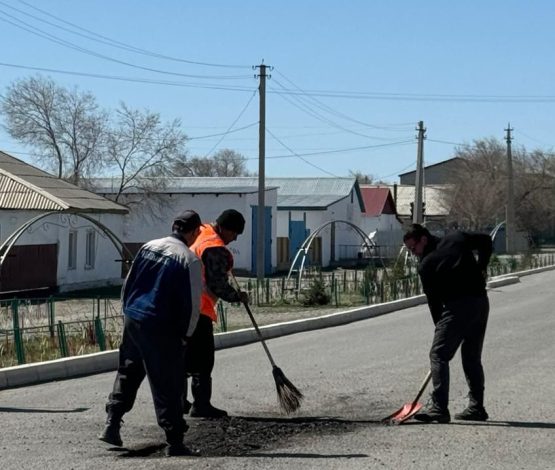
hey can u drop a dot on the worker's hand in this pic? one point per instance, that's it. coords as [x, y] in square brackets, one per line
[243, 297]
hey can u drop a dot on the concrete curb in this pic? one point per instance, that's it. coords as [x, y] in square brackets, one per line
[72, 367]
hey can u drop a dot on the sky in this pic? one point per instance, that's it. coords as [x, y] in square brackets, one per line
[349, 80]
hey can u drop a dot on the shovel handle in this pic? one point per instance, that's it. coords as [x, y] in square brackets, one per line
[422, 387]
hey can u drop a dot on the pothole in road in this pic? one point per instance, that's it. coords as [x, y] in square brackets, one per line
[239, 436]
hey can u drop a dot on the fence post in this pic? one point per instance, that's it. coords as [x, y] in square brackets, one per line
[335, 292]
[99, 333]
[267, 290]
[62, 340]
[51, 315]
[18, 340]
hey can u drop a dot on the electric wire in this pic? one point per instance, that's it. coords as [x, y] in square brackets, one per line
[342, 115]
[297, 155]
[113, 42]
[130, 79]
[232, 124]
[38, 32]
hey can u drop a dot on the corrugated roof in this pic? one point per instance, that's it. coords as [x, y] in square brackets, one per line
[315, 193]
[23, 186]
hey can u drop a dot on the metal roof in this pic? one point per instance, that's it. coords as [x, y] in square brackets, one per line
[292, 193]
[25, 187]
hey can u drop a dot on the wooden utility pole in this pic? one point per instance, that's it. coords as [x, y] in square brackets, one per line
[417, 215]
[260, 215]
[510, 207]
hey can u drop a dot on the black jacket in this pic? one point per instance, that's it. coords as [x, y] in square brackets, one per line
[450, 270]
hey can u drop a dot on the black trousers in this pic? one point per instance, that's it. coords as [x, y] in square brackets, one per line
[201, 349]
[462, 323]
[156, 351]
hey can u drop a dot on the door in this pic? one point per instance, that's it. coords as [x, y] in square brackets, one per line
[30, 267]
[297, 235]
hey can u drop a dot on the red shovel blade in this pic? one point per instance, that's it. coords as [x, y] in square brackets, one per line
[407, 411]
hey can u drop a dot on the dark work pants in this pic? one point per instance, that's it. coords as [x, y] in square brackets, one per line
[200, 360]
[157, 352]
[462, 323]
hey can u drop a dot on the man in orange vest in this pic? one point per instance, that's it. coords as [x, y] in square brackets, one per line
[217, 262]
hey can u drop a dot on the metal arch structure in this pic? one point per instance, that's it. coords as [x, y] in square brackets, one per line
[303, 249]
[5, 248]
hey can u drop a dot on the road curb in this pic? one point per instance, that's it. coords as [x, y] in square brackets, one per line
[78, 366]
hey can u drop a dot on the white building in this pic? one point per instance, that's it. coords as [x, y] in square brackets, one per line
[295, 208]
[151, 216]
[72, 243]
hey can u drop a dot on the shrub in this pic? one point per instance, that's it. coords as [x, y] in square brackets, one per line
[316, 293]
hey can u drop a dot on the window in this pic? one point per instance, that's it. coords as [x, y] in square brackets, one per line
[72, 250]
[90, 247]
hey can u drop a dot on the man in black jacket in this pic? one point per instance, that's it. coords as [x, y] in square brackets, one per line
[454, 281]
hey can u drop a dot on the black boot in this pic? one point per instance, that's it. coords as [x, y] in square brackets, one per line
[201, 387]
[111, 432]
[475, 410]
[176, 447]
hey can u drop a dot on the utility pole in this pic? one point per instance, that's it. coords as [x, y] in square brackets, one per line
[417, 215]
[510, 207]
[260, 231]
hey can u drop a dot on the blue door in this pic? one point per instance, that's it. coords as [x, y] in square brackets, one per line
[297, 235]
[267, 239]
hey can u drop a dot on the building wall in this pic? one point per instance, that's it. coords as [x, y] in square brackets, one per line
[55, 229]
[153, 219]
[344, 235]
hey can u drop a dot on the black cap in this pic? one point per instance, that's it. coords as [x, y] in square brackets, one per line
[187, 221]
[231, 220]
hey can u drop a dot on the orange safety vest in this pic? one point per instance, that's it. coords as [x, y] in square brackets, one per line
[208, 238]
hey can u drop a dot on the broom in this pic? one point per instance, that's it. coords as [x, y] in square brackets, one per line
[289, 396]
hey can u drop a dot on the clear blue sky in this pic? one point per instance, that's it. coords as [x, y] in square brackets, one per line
[365, 72]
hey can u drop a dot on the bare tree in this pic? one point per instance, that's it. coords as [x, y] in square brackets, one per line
[64, 127]
[477, 195]
[361, 177]
[139, 145]
[225, 162]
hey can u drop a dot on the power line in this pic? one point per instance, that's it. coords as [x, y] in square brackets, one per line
[349, 149]
[224, 133]
[113, 42]
[342, 115]
[130, 79]
[297, 155]
[232, 124]
[38, 32]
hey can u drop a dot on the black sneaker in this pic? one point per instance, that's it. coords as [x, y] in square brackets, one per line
[206, 411]
[177, 450]
[433, 414]
[473, 413]
[111, 433]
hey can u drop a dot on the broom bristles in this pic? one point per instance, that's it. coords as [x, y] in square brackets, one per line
[289, 396]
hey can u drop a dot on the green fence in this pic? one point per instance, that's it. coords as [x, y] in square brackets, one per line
[34, 330]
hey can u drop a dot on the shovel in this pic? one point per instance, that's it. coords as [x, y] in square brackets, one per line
[408, 410]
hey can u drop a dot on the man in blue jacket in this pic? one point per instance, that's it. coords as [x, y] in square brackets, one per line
[160, 300]
[453, 274]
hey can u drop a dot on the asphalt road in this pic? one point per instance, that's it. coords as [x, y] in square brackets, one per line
[352, 376]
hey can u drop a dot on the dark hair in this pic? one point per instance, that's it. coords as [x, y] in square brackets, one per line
[416, 232]
[231, 220]
[185, 222]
